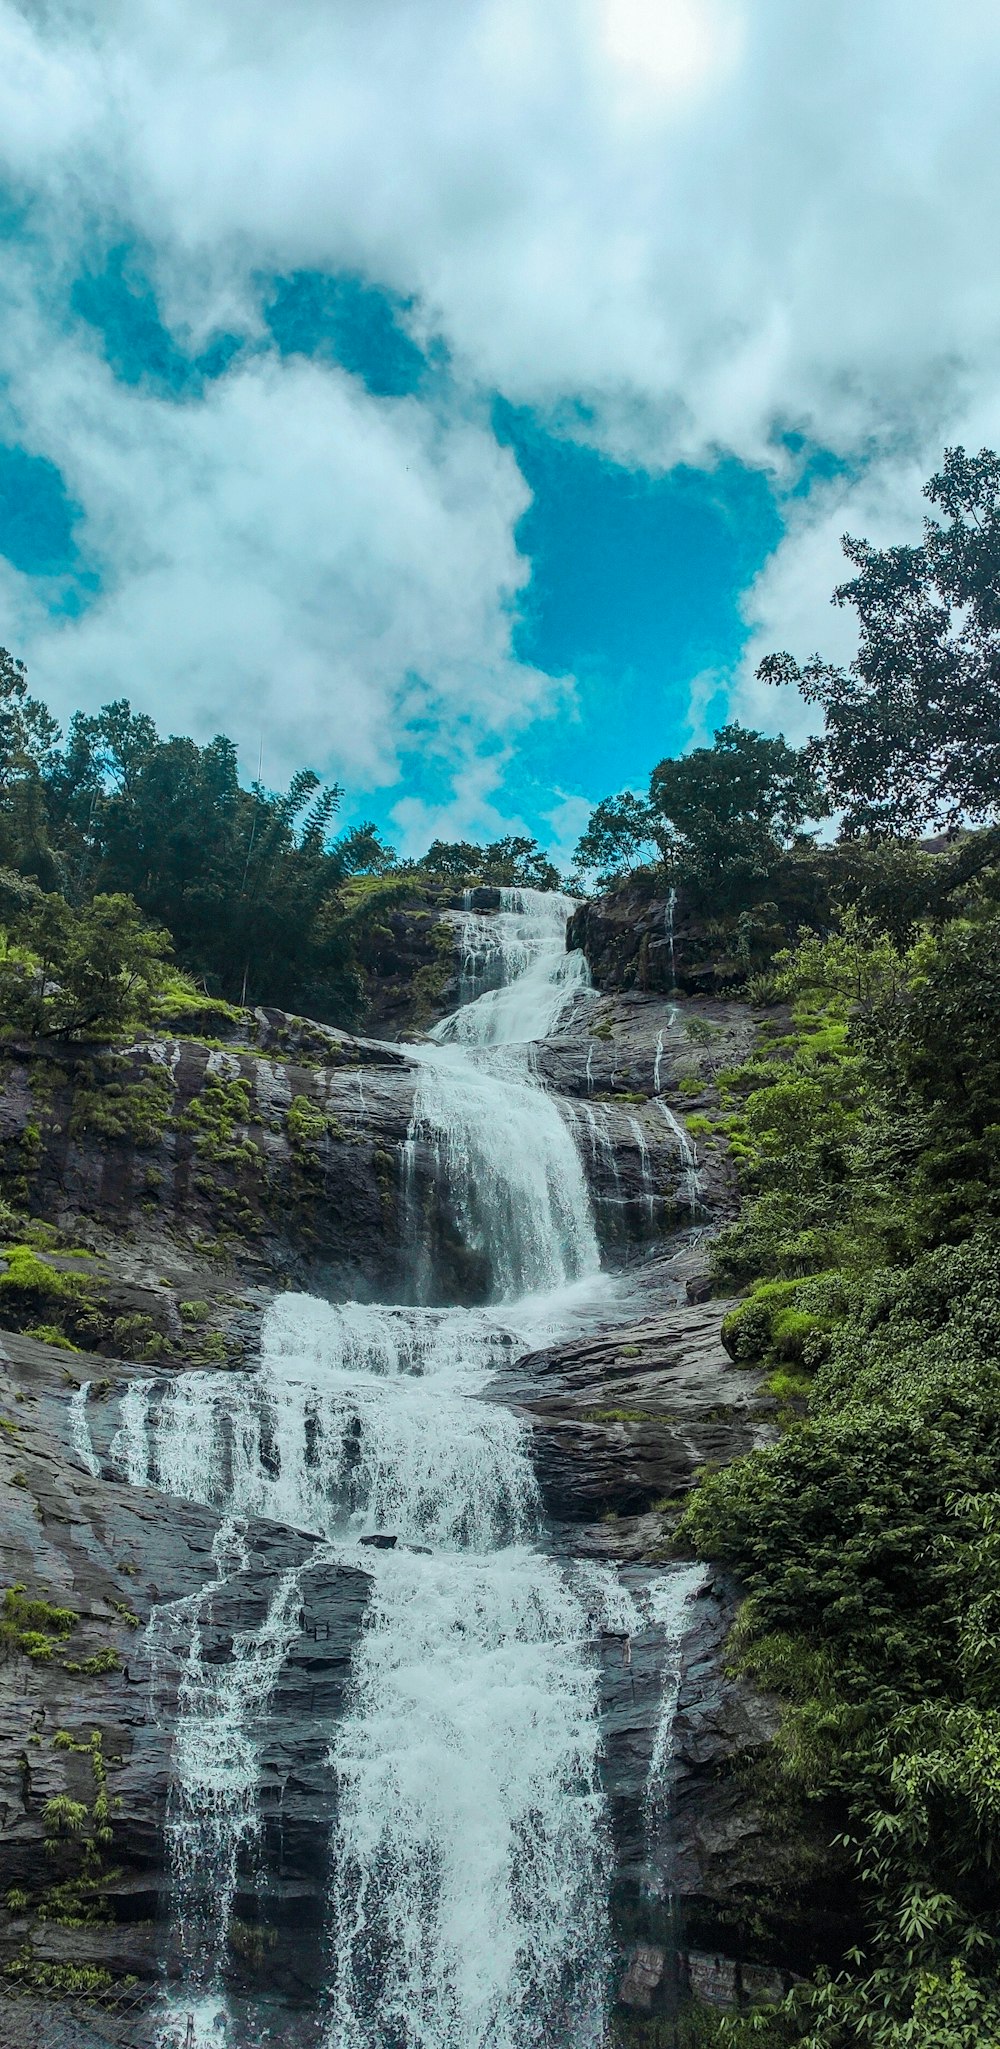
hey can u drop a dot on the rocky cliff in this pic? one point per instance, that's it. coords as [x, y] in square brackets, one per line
[164, 1191]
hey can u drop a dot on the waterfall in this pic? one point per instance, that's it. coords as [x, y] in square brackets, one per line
[469, 1859]
[79, 1429]
[467, 1894]
[501, 1146]
[517, 978]
[645, 1167]
[668, 927]
[212, 1813]
[688, 1155]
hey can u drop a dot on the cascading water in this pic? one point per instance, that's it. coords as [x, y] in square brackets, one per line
[469, 1860]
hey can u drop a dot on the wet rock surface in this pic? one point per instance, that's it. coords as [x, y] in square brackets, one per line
[211, 1212]
[622, 1421]
[643, 937]
[112, 1556]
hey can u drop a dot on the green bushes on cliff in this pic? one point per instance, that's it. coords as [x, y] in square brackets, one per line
[868, 1536]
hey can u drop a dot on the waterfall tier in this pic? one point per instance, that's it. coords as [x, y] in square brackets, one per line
[469, 1857]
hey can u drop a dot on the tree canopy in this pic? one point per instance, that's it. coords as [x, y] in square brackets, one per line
[912, 725]
[248, 881]
[713, 817]
[512, 863]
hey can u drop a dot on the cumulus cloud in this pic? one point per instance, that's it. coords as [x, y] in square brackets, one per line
[289, 559]
[679, 227]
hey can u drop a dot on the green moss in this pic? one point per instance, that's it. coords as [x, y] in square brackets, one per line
[32, 1626]
[192, 1312]
[789, 1387]
[215, 1116]
[136, 1337]
[307, 1126]
[189, 1010]
[106, 1660]
[50, 1334]
[31, 1279]
[211, 1349]
[83, 1981]
[115, 1104]
[790, 1321]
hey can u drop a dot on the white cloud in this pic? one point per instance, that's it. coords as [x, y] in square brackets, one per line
[288, 559]
[684, 221]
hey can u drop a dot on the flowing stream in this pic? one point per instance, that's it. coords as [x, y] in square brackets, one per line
[470, 1859]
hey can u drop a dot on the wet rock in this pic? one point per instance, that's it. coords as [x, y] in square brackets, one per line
[643, 1979]
[116, 1557]
[638, 938]
[624, 1420]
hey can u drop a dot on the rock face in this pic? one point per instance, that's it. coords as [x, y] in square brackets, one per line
[197, 1173]
[109, 1555]
[624, 1420]
[655, 943]
[190, 1180]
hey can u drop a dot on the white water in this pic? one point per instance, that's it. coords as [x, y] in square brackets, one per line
[517, 977]
[469, 1864]
[79, 1427]
[688, 1155]
[212, 1816]
[668, 926]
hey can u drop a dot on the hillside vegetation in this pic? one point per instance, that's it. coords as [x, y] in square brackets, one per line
[866, 1128]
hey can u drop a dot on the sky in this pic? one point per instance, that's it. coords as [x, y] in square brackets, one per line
[461, 398]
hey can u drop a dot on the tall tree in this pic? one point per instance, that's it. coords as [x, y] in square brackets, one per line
[735, 806]
[913, 723]
[623, 833]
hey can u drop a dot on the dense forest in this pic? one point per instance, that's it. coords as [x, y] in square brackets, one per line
[121, 850]
[866, 1129]
[866, 1132]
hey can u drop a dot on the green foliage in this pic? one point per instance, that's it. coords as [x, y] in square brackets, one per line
[623, 833]
[33, 1626]
[118, 830]
[82, 1981]
[179, 1003]
[913, 724]
[513, 863]
[106, 1660]
[215, 1115]
[110, 1101]
[37, 1296]
[193, 1312]
[50, 1334]
[868, 1536]
[306, 1123]
[720, 821]
[74, 973]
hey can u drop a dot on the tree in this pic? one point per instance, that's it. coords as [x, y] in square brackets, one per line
[624, 833]
[513, 863]
[92, 972]
[737, 805]
[913, 724]
[28, 736]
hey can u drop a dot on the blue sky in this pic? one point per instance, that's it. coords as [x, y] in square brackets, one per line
[635, 580]
[463, 403]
